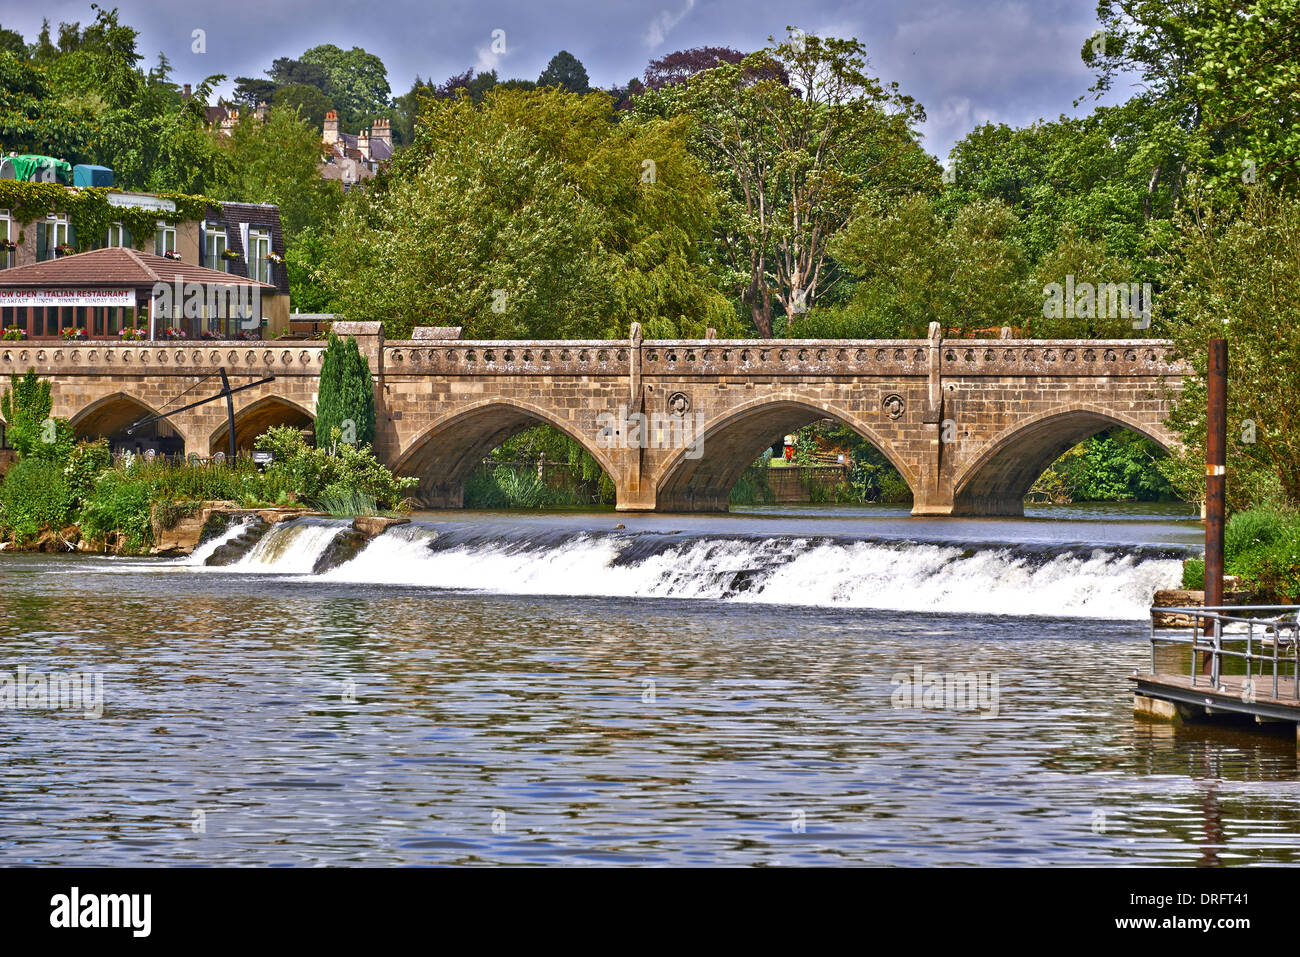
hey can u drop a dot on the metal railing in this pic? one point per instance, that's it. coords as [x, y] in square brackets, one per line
[1275, 627]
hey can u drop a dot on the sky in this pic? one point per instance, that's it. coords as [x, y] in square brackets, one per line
[967, 63]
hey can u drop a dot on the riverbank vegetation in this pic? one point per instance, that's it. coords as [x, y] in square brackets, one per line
[1261, 547]
[62, 492]
[540, 467]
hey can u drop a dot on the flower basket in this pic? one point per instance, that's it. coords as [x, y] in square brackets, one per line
[75, 335]
[63, 249]
[275, 258]
[132, 335]
[249, 336]
[171, 332]
[229, 254]
[13, 335]
[8, 245]
[172, 254]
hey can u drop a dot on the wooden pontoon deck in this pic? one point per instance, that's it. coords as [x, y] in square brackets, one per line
[1261, 641]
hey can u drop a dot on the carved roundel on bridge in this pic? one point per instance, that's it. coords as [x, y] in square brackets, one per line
[893, 405]
[679, 402]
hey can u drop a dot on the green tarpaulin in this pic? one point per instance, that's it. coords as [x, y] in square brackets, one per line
[26, 165]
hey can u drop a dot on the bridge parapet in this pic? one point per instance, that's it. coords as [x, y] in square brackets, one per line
[1059, 357]
[508, 357]
[180, 358]
[823, 357]
[711, 357]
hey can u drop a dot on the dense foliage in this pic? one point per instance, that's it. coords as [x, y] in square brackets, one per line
[540, 467]
[530, 215]
[1235, 273]
[1261, 547]
[345, 402]
[1115, 466]
[78, 490]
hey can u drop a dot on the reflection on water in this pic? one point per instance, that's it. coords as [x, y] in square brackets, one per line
[492, 728]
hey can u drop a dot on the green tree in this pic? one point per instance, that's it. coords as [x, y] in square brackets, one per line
[346, 401]
[33, 119]
[356, 82]
[531, 215]
[11, 41]
[1235, 273]
[567, 72]
[305, 260]
[275, 161]
[251, 90]
[1221, 80]
[307, 102]
[790, 159]
[26, 406]
[1247, 79]
[1097, 317]
[913, 267]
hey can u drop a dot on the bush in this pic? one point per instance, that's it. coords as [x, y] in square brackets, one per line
[35, 496]
[120, 503]
[335, 471]
[86, 462]
[894, 490]
[1262, 548]
[752, 488]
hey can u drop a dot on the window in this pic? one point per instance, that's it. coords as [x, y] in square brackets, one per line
[164, 239]
[214, 246]
[259, 248]
[6, 237]
[119, 235]
[53, 233]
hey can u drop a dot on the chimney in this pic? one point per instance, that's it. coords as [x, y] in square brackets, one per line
[383, 131]
[363, 144]
[186, 92]
[261, 111]
[331, 131]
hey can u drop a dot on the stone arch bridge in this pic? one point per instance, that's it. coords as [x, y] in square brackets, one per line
[969, 424]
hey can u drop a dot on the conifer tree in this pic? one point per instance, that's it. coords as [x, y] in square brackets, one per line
[346, 395]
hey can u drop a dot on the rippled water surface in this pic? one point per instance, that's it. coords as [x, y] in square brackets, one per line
[290, 718]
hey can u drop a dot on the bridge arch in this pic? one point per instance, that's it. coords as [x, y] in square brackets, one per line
[444, 454]
[996, 480]
[109, 418]
[255, 418]
[736, 438]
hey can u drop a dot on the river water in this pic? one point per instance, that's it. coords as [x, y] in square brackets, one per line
[521, 689]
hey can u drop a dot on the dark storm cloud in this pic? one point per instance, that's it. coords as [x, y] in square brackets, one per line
[967, 63]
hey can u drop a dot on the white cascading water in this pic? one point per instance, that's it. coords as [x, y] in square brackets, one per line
[201, 554]
[291, 548]
[898, 576]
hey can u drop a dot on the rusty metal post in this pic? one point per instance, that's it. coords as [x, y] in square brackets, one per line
[1216, 437]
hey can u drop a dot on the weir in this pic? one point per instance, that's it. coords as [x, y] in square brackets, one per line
[778, 570]
[969, 424]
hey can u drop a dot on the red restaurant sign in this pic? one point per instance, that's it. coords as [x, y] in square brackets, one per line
[67, 297]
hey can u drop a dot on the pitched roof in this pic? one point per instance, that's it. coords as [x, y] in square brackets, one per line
[117, 266]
